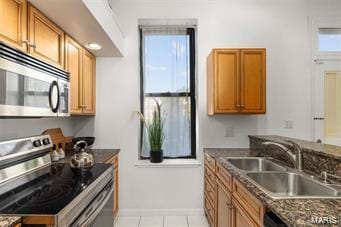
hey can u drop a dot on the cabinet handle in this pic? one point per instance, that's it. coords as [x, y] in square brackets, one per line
[26, 41]
[230, 205]
[33, 45]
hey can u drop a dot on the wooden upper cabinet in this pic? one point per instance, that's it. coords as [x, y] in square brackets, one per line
[13, 23]
[253, 81]
[46, 40]
[81, 65]
[73, 64]
[223, 87]
[89, 83]
[236, 81]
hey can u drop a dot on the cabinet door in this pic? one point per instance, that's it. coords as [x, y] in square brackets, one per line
[89, 83]
[46, 39]
[114, 162]
[253, 80]
[115, 208]
[240, 218]
[210, 212]
[224, 206]
[73, 64]
[226, 82]
[13, 25]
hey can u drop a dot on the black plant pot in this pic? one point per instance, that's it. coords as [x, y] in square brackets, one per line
[156, 156]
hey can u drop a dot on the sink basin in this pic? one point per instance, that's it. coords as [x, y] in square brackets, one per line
[291, 185]
[255, 164]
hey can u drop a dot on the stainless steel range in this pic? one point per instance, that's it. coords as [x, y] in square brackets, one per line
[51, 194]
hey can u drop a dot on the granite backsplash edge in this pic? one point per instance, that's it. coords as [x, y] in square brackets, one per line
[313, 160]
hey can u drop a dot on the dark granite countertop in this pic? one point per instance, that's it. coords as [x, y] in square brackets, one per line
[9, 221]
[294, 212]
[317, 148]
[101, 155]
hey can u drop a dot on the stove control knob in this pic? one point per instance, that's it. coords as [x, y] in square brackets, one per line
[46, 141]
[36, 143]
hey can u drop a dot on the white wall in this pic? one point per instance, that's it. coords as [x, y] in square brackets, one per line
[281, 26]
[16, 128]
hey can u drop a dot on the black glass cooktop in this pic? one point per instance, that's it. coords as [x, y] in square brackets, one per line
[49, 193]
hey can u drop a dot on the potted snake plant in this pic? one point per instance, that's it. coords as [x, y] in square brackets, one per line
[155, 133]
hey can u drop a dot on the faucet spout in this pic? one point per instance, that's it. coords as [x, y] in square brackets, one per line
[299, 159]
[295, 158]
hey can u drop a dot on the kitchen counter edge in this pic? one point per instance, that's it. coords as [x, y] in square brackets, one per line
[294, 212]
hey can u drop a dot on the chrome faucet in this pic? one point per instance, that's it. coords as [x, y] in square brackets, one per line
[295, 157]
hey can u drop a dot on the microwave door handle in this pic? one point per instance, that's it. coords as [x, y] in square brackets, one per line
[58, 97]
[54, 108]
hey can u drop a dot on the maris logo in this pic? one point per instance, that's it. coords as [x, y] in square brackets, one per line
[324, 220]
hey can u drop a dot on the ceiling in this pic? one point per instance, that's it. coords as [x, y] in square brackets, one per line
[77, 21]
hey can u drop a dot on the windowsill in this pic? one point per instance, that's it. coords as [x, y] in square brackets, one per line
[169, 163]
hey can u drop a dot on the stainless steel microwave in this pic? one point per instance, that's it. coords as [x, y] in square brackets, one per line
[30, 87]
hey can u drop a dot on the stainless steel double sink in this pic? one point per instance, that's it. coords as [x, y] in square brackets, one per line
[283, 183]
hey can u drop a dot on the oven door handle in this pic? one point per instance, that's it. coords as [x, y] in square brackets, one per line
[97, 209]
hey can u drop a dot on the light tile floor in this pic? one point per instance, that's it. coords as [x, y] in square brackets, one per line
[161, 221]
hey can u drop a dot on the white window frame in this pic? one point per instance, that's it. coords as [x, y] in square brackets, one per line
[316, 24]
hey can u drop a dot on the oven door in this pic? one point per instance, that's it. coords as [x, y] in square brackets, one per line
[27, 92]
[95, 215]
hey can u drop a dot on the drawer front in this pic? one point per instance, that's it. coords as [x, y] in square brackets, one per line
[209, 212]
[210, 162]
[254, 207]
[209, 192]
[210, 176]
[241, 218]
[224, 176]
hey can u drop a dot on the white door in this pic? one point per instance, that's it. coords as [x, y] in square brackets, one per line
[327, 101]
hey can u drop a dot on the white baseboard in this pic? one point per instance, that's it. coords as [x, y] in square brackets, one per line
[160, 212]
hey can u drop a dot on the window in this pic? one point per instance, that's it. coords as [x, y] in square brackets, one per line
[167, 55]
[329, 39]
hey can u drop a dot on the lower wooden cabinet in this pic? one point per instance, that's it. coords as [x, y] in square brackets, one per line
[224, 206]
[227, 202]
[240, 217]
[114, 161]
[210, 212]
[116, 181]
